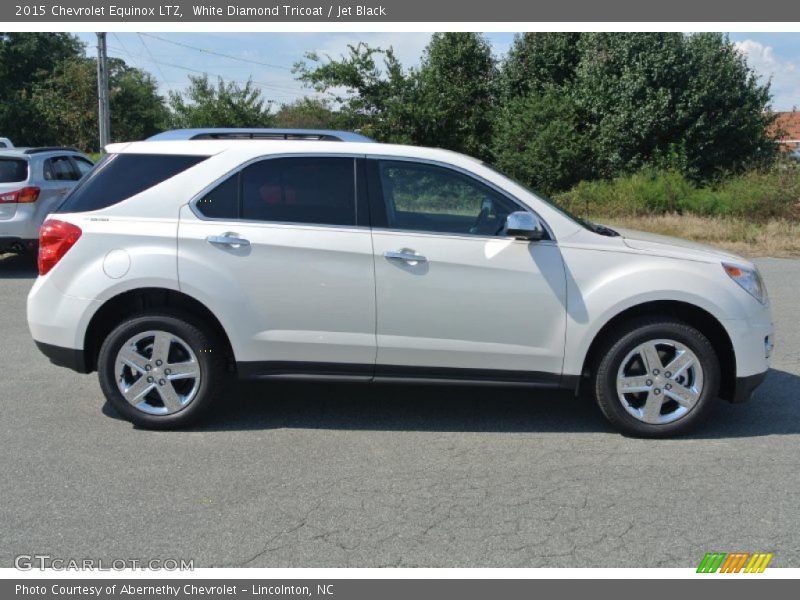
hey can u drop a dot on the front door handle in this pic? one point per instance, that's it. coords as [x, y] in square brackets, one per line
[228, 239]
[406, 255]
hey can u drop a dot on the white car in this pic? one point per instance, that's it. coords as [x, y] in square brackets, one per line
[197, 254]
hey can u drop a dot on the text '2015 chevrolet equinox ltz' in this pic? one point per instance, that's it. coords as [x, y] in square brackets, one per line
[319, 254]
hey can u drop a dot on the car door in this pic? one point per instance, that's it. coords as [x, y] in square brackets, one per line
[455, 297]
[59, 177]
[280, 253]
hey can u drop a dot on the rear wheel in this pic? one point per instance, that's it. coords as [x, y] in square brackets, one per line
[161, 370]
[656, 378]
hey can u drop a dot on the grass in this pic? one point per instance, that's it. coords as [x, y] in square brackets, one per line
[760, 195]
[775, 237]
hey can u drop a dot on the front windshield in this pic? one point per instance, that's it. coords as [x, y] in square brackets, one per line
[586, 224]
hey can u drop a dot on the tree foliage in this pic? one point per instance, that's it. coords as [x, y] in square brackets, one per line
[48, 94]
[371, 88]
[224, 104]
[311, 113]
[538, 142]
[675, 101]
[455, 95]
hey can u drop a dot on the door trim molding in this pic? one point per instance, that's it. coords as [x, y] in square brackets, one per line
[320, 371]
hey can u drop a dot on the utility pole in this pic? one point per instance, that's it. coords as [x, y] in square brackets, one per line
[103, 114]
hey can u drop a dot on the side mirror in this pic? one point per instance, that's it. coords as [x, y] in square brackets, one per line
[523, 226]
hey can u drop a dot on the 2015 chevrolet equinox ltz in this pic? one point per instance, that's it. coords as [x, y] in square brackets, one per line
[322, 254]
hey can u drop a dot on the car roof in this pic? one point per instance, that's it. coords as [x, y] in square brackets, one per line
[26, 153]
[255, 148]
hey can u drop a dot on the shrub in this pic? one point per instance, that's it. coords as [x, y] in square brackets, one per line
[755, 194]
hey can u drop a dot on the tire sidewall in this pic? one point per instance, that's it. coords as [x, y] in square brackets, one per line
[606, 386]
[199, 343]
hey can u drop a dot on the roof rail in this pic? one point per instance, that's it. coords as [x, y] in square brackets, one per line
[49, 149]
[241, 133]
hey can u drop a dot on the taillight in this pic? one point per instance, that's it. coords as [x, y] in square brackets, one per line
[55, 239]
[22, 196]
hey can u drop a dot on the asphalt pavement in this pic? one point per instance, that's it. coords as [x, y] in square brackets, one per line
[316, 475]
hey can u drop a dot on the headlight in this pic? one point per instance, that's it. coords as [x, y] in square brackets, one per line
[749, 279]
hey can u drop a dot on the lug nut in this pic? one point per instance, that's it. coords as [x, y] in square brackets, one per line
[655, 371]
[167, 371]
[161, 382]
[149, 380]
[649, 382]
[668, 386]
[158, 363]
[147, 367]
[656, 391]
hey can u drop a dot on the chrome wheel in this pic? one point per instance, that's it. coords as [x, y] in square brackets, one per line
[157, 372]
[660, 381]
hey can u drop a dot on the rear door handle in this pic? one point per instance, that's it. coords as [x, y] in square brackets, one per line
[227, 239]
[405, 255]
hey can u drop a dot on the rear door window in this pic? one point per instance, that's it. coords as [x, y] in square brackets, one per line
[119, 176]
[307, 190]
[300, 190]
[59, 168]
[13, 170]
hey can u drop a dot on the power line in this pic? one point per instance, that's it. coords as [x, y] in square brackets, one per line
[288, 91]
[215, 53]
[163, 77]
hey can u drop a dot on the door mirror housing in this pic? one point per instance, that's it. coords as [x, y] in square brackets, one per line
[524, 226]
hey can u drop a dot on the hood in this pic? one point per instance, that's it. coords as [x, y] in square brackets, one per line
[664, 245]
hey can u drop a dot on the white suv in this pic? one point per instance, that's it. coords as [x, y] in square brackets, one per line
[195, 254]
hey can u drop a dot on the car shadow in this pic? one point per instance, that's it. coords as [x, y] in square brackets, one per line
[18, 266]
[773, 410]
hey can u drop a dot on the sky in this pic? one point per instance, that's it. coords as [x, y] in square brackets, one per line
[267, 58]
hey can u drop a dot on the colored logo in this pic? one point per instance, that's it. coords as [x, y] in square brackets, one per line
[735, 562]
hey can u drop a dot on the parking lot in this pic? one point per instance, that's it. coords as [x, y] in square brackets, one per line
[314, 475]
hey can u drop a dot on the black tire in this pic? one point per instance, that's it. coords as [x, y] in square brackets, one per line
[628, 338]
[206, 348]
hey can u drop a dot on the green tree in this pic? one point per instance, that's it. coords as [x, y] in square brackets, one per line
[454, 99]
[226, 104]
[137, 109]
[724, 113]
[538, 141]
[65, 104]
[27, 59]
[310, 113]
[537, 61]
[670, 100]
[373, 90]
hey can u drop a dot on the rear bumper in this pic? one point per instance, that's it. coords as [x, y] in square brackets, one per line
[745, 386]
[64, 357]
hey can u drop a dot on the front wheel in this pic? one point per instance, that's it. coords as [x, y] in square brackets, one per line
[161, 370]
[658, 377]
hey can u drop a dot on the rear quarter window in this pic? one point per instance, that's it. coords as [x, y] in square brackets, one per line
[13, 170]
[119, 176]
